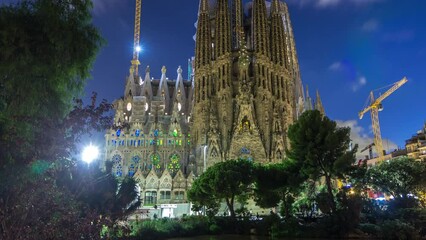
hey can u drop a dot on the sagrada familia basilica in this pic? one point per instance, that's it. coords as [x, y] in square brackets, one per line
[243, 92]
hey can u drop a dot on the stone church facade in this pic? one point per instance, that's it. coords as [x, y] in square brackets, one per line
[242, 93]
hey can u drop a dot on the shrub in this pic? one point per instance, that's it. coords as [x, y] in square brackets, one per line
[370, 229]
[395, 229]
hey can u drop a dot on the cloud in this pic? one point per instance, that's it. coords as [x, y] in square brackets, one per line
[326, 3]
[400, 36]
[370, 26]
[360, 136]
[361, 81]
[335, 66]
[349, 72]
[103, 6]
[331, 3]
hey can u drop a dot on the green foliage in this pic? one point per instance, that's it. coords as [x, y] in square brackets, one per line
[370, 229]
[101, 191]
[47, 49]
[398, 177]
[396, 229]
[166, 228]
[39, 167]
[306, 200]
[224, 181]
[320, 149]
[276, 184]
[33, 199]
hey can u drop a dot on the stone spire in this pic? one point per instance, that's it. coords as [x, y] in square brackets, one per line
[278, 40]
[146, 87]
[237, 22]
[203, 53]
[308, 100]
[260, 28]
[203, 39]
[318, 104]
[223, 29]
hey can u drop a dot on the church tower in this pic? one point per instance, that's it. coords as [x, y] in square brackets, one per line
[247, 82]
[242, 93]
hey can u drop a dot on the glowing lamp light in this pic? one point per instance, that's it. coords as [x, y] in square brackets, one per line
[138, 48]
[90, 153]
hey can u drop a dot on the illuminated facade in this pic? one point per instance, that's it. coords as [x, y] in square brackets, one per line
[416, 145]
[243, 92]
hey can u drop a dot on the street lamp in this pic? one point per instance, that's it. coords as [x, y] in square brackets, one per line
[204, 157]
[90, 153]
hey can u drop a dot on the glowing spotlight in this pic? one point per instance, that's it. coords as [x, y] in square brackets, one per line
[138, 48]
[90, 153]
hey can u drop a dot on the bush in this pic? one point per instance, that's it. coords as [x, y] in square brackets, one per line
[214, 229]
[395, 229]
[165, 228]
[370, 229]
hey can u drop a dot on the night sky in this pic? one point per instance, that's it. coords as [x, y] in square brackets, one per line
[346, 48]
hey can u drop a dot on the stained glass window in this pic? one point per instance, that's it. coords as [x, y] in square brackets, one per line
[245, 150]
[137, 132]
[175, 133]
[132, 170]
[116, 159]
[174, 164]
[119, 170]
[118, 132]
[156, 133]
[136, 159]
[155, 159]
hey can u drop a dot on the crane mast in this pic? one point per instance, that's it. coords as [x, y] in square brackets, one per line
[376, 106]
[136, 41]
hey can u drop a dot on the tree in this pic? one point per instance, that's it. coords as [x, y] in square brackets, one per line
[32, 206]
[277, 183]
[223, 181]
[73, 203]
[321, 149]
[101, 191]
[398, 177]
[47, 48]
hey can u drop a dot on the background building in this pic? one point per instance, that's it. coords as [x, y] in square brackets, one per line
[416, 145]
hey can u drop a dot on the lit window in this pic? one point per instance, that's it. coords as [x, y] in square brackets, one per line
[119, 170]
[165, 195]
[155, 160]
[150, 198]
[174, 164]
[179, 195]
[132, 170]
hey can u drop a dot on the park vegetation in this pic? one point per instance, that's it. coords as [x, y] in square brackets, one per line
[47, 49]
[317, 189]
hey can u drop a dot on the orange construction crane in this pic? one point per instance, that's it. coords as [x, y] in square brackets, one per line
[370, 150]
[375, 105]
[136, 41]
